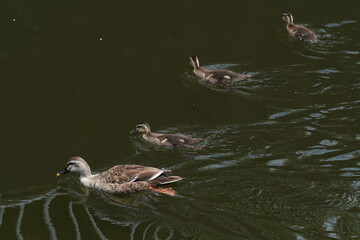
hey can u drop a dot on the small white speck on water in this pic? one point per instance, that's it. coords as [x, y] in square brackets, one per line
[14, 19]
[100, 39]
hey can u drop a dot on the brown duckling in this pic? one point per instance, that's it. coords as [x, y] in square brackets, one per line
[121, 178]
[299, 32]
[215, 76]
[172, 140]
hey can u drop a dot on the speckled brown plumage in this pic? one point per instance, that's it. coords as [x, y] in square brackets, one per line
[298, 32]
[172, 140]
[215, 76]
[121, 178]
[178, 140]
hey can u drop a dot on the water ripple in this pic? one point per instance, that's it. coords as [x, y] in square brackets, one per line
[344, 157]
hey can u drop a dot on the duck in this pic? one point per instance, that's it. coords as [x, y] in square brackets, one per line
[215, 76]
[298, 32]
[122, 179]
[172, 140]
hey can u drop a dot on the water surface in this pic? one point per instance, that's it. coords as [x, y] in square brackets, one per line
[280, 157]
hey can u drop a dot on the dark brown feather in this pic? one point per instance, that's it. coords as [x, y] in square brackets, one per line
[302, 33]
[128, 187]
[132, 178]
[224, 76]
[163, 179]
[128, 173]
[178, 140]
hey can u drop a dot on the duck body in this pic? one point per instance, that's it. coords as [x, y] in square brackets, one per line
[215, 76]
[298, 32]
[301, 33]
[121, 178]
[172, 140]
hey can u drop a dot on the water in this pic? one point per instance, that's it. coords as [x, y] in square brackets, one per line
[280, 158]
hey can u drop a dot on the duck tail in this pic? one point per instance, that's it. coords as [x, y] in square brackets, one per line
[163, 179]
[195, 61]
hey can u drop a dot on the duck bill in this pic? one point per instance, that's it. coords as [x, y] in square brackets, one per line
[132, 131]
[62, 172]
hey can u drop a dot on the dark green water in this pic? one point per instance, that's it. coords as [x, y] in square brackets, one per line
[281, 156]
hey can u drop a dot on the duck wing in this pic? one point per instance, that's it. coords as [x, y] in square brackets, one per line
[132, 178]
[224, 76]
[130, 173]
[177, 140]
[304, 34]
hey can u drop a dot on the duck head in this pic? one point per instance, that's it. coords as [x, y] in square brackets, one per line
[142, 127]
[287, 17]
[76, 164]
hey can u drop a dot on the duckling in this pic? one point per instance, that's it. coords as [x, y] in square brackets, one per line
[299, 32]
[172, 140]
[215, 76]
[121, 178]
